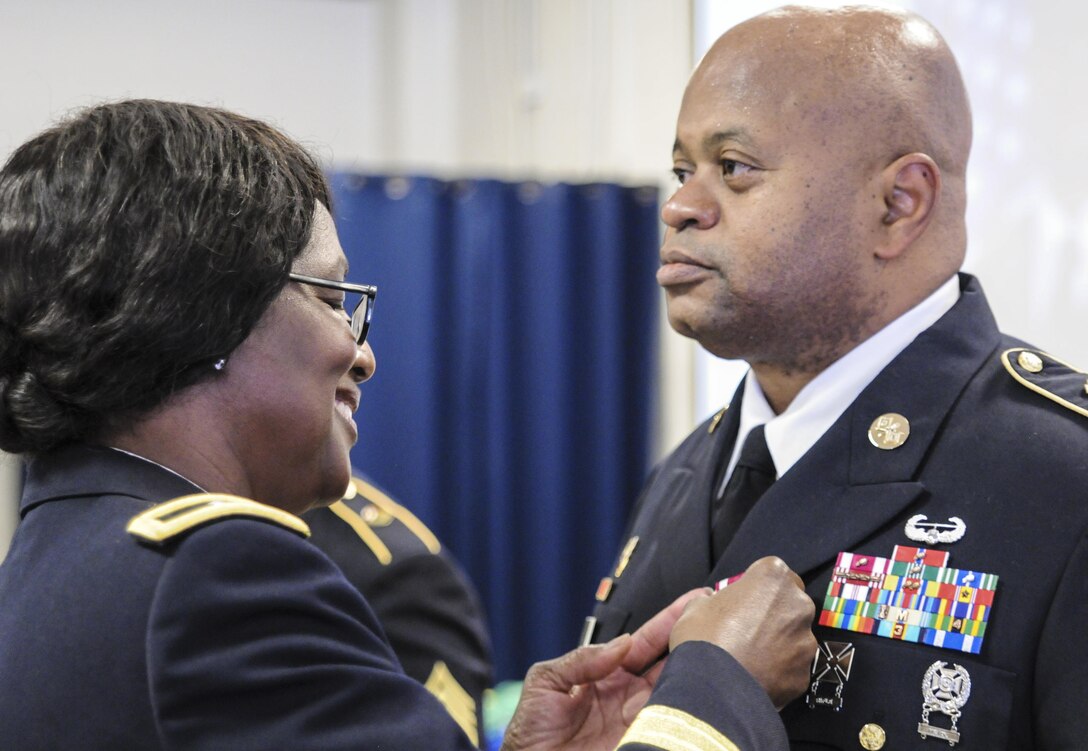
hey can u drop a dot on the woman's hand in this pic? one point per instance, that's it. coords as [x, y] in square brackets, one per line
[586, 699]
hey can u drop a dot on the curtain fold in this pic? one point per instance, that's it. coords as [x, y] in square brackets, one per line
[514, 333]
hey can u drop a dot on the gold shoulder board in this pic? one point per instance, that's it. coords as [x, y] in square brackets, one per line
[1048, 376]
[165, 521]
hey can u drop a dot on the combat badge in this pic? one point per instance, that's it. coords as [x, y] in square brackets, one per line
[830, 667]
[931, 533]
[944, 690]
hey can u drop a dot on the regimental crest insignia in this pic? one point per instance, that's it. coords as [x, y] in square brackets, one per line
[944, 690]
[831, 667]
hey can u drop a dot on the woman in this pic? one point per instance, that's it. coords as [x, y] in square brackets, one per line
[173, 324]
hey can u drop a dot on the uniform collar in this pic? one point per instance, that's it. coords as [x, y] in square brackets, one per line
[80, 470]
[820, 403]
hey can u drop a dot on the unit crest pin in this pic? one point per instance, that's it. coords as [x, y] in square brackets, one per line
[944, 690]
[921, 530]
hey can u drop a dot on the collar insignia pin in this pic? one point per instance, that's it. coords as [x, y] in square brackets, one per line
[931, 533]
[944, 690]
[889, 431]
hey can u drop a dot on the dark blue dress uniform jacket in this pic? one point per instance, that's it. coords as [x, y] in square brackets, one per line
[239, 634]
[428, 609]
[1006, 454]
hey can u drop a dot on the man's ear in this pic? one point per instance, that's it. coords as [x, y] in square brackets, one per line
[911, 186]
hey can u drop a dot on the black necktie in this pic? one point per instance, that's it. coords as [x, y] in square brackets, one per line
[751, 477]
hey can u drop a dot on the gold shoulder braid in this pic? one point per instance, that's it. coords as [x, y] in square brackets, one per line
[165, 521]
[1048, 376]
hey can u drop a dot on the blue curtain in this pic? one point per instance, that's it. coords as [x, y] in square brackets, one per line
[514, 332]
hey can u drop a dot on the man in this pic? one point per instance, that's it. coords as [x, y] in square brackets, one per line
[817, 233]
[430, 612]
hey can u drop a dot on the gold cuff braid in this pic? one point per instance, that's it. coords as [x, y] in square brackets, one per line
[674, 730]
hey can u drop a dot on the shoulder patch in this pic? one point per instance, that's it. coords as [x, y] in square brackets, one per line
[165, 521]
[1048, 376]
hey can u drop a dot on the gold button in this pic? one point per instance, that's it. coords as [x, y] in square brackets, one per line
[889, 431]
[1030, 362]
[375, 517]
[872, 737]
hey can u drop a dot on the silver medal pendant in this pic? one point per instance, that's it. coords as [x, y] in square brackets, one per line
[944, 690]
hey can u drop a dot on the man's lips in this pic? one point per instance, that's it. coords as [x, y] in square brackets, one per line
[677, 268]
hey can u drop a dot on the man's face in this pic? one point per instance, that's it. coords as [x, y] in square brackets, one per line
[765, 254]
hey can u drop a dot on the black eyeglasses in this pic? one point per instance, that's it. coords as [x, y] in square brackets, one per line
[360, 315]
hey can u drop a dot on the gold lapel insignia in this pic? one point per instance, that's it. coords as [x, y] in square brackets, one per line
[889, 431]
[625, 556]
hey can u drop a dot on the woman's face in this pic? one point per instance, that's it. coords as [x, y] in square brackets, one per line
[295, 385]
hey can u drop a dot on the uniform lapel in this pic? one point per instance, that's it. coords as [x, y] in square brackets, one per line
[686, 524]
[845, 489]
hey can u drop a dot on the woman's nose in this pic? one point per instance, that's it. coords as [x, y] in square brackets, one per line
[364, 365]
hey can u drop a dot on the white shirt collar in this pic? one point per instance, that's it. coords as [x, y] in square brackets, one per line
[820, 403]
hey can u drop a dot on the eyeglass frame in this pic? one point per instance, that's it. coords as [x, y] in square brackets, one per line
[360, 325]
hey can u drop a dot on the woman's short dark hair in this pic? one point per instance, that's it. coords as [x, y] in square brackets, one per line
[140, 242]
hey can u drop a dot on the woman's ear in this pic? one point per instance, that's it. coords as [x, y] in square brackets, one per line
[911, 186]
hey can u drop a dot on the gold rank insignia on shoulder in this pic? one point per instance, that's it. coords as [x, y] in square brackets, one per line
[165, 521]
[457, 701]
[1048, 376]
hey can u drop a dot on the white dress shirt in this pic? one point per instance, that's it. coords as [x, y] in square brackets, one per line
[820, 403]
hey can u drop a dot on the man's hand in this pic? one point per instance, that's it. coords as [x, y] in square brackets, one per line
[586, 699]
[764, 620]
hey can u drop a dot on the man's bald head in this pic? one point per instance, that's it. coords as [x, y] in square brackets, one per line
[822, 157]
[884, 81]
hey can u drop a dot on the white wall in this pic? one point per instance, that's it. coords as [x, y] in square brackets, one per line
[576, 90]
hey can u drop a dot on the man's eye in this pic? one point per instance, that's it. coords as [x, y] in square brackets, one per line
[733, 168]
[680, 174]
